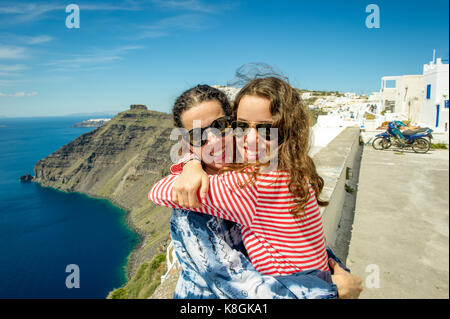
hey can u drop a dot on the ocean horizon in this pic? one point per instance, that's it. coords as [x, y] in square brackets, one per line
[42, 230]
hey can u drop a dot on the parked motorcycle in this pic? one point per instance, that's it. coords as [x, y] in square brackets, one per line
[419, 140]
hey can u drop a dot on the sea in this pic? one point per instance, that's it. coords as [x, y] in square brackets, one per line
[54, 244]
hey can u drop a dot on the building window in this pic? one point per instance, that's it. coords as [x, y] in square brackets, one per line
[446, 104]
[390, 84]
[428, 91]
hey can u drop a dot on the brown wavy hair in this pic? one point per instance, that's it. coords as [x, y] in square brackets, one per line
[292, 120]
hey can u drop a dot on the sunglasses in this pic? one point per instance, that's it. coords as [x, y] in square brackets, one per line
[263, 129]
[218, 127]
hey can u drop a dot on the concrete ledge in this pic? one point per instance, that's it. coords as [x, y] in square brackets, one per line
[332, 162]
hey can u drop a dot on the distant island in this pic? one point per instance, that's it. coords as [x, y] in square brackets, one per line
[91, 123]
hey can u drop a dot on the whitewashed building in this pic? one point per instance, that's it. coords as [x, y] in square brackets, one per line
[306, 95]
[374, 97]
[402, 94]
[423, 98]
[435, 103]
[350, 95]
[229, 91]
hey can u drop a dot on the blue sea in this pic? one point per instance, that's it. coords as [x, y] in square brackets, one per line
[43, 230]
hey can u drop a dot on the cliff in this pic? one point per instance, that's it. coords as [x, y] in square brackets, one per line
[119, 161]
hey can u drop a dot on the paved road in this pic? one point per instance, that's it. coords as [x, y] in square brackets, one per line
[401, 225]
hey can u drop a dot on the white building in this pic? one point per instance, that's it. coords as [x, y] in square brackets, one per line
[229, 91]
[374, 96]
[402, 94]
[422, 99]
[306, 95]
[435, 103]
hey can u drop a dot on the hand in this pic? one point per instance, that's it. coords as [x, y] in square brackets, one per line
[192, 178]
[349, 286]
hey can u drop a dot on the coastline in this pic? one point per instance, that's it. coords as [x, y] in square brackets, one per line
[119, 161]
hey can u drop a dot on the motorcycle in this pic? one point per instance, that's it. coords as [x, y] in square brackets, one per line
[419, 140]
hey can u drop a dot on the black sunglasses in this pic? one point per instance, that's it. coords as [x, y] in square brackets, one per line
[263, 129]
[218, 127]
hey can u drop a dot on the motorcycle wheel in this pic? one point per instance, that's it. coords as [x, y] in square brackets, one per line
[421, 145]
[378, 143]
[386, 143]
[381, 143]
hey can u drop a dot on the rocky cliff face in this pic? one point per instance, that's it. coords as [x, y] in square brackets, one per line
[120, 161]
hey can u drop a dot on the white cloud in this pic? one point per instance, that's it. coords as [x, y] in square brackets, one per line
[26, 12]
[195, 5]
[12, 52]
[8, 82]
[29, 12]
[184, 21]
[38, 39]
[152, 34]
[18, 94]
[12, 68]
[191, 5]
[92, 59]
[167, 26]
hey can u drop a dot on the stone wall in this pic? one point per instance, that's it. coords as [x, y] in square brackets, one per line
[334, 164]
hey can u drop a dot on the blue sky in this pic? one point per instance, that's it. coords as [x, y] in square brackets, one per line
[149, 51]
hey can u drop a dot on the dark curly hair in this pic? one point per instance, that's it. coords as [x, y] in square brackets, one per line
[196, 95]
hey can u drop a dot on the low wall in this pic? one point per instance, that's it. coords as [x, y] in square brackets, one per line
[332, 162]
[321, 136]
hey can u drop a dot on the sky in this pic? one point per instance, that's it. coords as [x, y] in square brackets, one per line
[150, 51]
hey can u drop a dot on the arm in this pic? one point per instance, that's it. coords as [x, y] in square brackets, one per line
[224, 200]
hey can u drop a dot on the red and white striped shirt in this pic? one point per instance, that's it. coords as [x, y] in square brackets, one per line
[277, 242]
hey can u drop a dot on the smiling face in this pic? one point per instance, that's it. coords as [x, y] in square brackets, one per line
[253, 109]
[206, 112]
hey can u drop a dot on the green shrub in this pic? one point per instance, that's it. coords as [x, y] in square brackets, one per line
[349, 189]
[144, 282]
[120, 293]
[438, 146]
[156, 262]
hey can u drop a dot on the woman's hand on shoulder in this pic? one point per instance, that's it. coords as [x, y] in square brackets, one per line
[185, 189]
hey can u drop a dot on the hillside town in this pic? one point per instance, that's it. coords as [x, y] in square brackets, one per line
[420, 100]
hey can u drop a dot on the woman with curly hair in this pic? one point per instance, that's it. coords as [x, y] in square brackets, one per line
[277, 207]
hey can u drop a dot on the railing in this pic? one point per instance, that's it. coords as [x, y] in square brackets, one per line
[171, 264]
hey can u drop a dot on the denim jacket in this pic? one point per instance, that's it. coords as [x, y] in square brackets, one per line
[215, 264]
